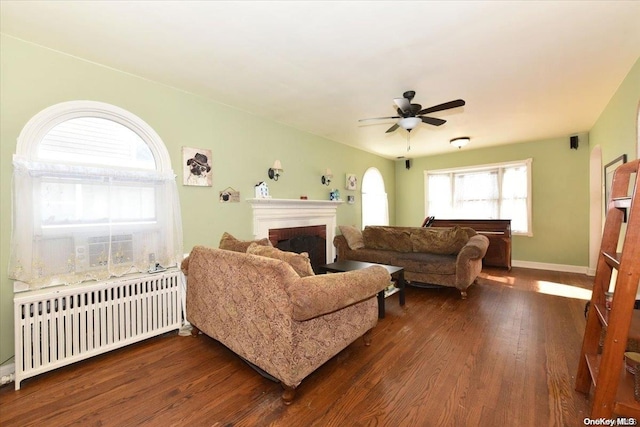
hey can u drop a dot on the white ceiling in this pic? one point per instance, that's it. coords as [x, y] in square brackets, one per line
[527, 70]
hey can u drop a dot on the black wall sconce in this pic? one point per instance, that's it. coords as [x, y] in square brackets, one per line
[326, 178]
[275, 171]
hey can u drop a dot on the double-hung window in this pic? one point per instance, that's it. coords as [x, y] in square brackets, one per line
[94, 197]
[498, 191]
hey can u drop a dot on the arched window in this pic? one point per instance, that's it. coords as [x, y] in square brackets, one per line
[94, 197]
[375, 207]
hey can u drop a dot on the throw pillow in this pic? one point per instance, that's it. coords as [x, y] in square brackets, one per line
[353, 236]
[230, 243]
[300, 262]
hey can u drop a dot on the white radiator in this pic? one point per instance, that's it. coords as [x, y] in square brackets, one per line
[58, 326]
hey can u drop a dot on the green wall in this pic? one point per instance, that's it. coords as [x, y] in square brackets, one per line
[616, 130]
[243, 146]
[560, 195]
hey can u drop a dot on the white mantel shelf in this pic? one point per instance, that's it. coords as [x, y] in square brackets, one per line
[294, 202]
[287, 213]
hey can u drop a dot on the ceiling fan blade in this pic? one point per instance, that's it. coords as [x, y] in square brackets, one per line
[392, 128]
[379, 118]
[403, 103]
[440, 107]
[433, 121]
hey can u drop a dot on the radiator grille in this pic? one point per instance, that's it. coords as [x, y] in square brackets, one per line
[57, 327]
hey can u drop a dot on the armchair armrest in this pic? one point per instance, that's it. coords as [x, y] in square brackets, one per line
[314, 296]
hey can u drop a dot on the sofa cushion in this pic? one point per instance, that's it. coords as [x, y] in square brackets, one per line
[444, 241]
[353, 236]
[230, 243]
[419, 262]
[387, 238]
[300, 262]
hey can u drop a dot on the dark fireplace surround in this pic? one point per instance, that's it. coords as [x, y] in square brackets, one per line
[310, 239]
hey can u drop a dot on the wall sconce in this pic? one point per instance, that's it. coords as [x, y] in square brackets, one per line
[326, 178]
[275, 171]
[460, 142]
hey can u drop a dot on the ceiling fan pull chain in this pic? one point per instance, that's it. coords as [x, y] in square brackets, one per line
[408, 141]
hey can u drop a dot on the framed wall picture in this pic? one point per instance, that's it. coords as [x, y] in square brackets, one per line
[196, 167]
[609, 169]
[351, 182]
[229, 195]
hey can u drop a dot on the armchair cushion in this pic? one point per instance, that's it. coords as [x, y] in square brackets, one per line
[318, 295]
[230, 243]
[300, 262]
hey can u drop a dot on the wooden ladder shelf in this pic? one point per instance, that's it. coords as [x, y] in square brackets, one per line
[603, 366]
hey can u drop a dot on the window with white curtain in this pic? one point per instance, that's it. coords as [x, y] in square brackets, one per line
[499, 191]
[375, 205]
[94, 197]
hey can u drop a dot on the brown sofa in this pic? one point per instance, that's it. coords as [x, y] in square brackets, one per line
[439, 256]
[281, 323]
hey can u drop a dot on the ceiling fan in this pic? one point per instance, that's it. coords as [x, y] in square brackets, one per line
[411, 115]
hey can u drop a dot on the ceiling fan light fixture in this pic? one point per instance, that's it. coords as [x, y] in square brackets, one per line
[409, 123]
[460, 142]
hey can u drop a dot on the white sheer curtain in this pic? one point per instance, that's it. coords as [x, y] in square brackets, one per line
[476, 195]
[73, 223]
[439, 195]
[514, 197]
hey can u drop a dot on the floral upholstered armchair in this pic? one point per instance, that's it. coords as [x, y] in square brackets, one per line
[265, 312]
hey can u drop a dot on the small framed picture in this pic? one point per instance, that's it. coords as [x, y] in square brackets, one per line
[351, 182]
[196, 167]
[229, 195]
[351, 199]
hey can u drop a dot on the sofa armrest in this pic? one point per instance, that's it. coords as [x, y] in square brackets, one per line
[342, 247]
[314, 296]
[476, 248]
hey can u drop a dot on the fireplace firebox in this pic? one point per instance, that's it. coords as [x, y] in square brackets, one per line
[310, 239]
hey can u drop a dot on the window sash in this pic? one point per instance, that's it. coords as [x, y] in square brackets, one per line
[73, 202]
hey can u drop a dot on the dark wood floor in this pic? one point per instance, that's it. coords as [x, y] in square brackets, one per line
[506, 356]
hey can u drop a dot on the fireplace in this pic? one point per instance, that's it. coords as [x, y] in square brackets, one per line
[302, 215]
[311, 240]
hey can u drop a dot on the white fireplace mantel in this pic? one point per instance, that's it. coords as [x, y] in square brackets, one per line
[287, 213]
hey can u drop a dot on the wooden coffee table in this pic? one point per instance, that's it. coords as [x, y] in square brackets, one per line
[397, 273]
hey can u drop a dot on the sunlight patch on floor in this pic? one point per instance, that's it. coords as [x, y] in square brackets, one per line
[500, 279]
[562, 290]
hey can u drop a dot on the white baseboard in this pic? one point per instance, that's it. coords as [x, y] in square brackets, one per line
[553, 267]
